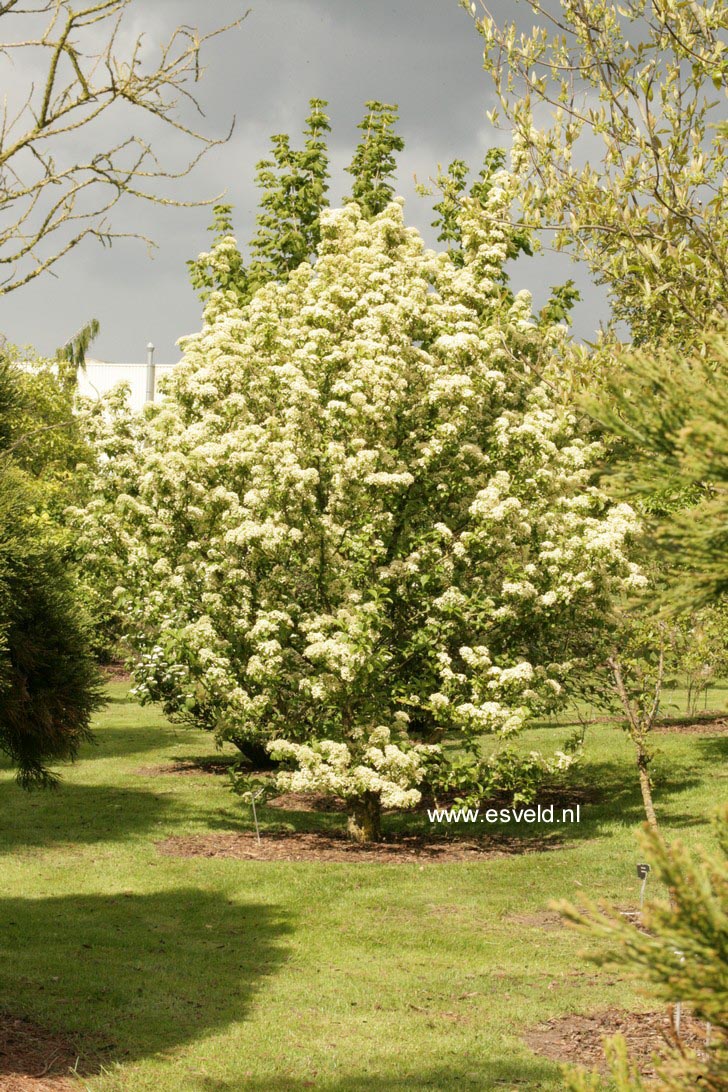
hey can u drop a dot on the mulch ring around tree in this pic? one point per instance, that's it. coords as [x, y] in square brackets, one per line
[190, 767]
[706, 726]
[335, 846]
[578, 1039]
[552, 919]
[542, 919]
[33, 1059]
[115, 671]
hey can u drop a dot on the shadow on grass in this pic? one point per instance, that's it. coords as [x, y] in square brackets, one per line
[462, 1073]
[608, 794]
[714, 748]
[280, 821]
[125, 741]
[217, 764]
[617, 798]
[76, 814]
[140, 973]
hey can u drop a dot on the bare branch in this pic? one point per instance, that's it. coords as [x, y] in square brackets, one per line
[87, 77]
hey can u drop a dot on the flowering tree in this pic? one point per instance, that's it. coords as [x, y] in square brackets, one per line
[364, 504]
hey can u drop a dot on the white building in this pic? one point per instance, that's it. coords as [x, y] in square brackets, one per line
[100, 376]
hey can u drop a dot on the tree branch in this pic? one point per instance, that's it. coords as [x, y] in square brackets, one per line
[85, 79]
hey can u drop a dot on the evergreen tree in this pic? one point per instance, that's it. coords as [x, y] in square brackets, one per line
[48, 680]
[667, 409]
[682, 950]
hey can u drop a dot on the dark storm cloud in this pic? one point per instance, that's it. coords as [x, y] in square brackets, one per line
[423, 55]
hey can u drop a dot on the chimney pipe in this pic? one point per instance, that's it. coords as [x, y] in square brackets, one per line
[150, 373]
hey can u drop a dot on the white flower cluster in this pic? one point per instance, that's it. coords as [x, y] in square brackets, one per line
[387, 770]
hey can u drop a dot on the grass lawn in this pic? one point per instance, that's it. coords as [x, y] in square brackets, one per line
[216, 975]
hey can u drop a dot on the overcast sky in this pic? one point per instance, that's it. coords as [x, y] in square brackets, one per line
[424, 55]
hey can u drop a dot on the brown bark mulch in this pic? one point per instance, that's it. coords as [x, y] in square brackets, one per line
[336, 847]
[115, 672]
[544, 919]
[709, 726]
[578, 1039]
[189, 767]
[33, 1059]
[299, 801]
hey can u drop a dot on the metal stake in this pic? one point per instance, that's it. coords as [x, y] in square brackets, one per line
[677, 1012]
[255, 814]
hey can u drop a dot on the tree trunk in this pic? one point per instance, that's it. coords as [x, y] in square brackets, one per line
[365, 821]
[256, 754]
[639, 723]
[642, 766]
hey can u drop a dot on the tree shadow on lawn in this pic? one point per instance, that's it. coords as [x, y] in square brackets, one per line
[616, 798]
[279, 820]
[467, 1074]
[122, 741]
[715, 749]
[135, 974]
[76, 814]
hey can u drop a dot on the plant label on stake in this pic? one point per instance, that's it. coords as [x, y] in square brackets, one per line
[250, 798]
[643, 871]
[253, 798]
